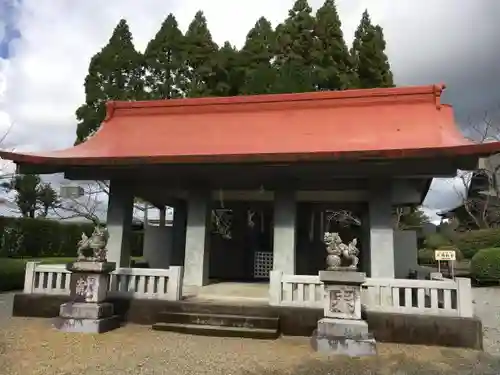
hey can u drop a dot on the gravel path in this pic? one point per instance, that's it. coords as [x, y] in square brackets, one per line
[32, 347]
[6, 307]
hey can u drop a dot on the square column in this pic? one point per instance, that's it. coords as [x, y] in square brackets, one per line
[381, 230]
[179, 234]
[199, 210]
[119, 223]
[285, 212]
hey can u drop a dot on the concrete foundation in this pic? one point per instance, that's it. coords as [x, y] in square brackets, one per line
[294, 321]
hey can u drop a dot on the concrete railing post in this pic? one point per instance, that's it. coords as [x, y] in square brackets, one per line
[174, 283]
[275, 293]
[464, 297]
[29, 277]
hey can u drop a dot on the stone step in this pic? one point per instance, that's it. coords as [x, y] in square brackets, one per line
[219, 308]
[218, 331]
[223, 320]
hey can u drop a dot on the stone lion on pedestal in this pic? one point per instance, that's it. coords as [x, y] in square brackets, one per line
[340, 256]
[96, 243]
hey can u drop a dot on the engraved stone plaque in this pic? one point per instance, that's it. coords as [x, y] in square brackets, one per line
[88, 287]
[342, 301]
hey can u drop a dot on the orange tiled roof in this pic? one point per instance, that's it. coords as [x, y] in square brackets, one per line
[352, 124]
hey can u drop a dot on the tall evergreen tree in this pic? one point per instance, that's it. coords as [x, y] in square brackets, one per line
[256, 56]
[333, 65]
[115, 73]
[228, 77]
[368, 52]
[201, 53]
[295, 50]
[164, 62]
[33, 196]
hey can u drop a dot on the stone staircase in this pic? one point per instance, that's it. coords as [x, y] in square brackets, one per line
[219, 320]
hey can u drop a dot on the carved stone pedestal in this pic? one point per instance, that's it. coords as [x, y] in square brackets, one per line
[88, 312]
[342, 331]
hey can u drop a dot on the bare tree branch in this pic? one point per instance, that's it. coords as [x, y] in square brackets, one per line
[87, 206]
[482, 207]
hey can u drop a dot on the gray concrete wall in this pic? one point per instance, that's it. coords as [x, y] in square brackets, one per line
[405, 253]
[158, 246]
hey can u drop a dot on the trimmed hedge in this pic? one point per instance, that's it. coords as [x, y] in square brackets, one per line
[36, 238]
[473, 241]
[435, 241]
[11, 274]
[485, 265]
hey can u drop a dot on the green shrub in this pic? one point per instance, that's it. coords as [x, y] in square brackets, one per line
[11, 274]
[485, 265]
[35, 238]
[426, 257]
[435, 241]
[471, 242]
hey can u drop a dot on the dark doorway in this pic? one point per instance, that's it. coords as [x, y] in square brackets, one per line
[241, 242]
[313, 220]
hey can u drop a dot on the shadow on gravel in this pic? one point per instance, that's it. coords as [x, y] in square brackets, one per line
[451, 362]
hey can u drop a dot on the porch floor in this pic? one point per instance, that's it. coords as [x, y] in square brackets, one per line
[257, 292]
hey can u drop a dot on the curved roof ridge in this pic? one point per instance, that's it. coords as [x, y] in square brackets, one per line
[279, 101]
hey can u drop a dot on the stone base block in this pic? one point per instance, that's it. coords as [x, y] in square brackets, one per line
[344, 336]
[348, 328]
[87, 325]
[80, 310]
[345, 346]
[342, 277]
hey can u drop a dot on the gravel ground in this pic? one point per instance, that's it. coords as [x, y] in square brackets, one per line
[32, 347]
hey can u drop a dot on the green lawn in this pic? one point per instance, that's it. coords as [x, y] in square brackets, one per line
[12, 270]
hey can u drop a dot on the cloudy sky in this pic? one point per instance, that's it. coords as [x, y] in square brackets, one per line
[46, 45]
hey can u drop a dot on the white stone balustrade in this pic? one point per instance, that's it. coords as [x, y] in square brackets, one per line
[295, 290]
[447, 298]
[140, 283]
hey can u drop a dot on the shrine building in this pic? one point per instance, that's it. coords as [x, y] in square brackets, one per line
[272, 171]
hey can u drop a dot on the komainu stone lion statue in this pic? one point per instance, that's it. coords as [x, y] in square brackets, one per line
[340, 256]
[96, 243]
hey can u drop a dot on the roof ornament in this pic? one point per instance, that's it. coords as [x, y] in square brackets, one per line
[438, 91]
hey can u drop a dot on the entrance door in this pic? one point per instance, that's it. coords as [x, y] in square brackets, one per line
[260, 239]
[241, 242]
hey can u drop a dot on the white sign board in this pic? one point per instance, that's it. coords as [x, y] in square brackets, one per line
[444, 255]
